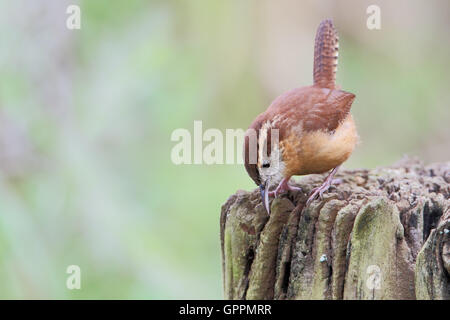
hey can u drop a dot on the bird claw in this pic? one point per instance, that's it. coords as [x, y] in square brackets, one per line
[319, 191]
[282, 188]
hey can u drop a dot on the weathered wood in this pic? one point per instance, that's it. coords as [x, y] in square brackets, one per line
[380, 234]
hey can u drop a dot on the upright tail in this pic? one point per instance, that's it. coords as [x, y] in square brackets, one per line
[326, 51]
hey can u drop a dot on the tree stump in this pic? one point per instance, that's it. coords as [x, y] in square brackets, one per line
[380, 234]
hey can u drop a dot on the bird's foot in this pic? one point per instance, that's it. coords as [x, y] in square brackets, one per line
[318, 191]
[336, 181]
[283, 187]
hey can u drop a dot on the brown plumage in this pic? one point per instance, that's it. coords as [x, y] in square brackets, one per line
[326, 53]
[316, 132]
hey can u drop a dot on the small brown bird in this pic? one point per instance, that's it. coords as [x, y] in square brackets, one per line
[304, 131]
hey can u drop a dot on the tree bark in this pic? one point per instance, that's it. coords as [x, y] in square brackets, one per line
[379, 234]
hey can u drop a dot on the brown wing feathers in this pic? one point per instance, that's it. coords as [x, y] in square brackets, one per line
[328, 114]
[326, 55]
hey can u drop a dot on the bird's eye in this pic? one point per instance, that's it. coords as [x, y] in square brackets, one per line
[266, 165]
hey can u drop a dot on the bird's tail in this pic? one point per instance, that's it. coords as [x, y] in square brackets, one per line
[326, 51]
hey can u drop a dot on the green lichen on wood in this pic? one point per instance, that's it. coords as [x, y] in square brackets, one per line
[239, 243]
[324, 253]
[432, 276]
[374, 268]
[285, 248]
[302, 264]
[371, 227]
[262, 275]
[340, 238]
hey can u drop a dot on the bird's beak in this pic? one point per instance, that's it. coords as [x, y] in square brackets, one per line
[264, 189]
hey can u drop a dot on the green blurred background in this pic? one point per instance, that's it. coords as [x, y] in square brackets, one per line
[86, 118]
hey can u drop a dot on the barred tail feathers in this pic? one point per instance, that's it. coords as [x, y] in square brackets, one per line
[326, 51]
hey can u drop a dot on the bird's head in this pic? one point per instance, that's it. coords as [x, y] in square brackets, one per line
[263, 157]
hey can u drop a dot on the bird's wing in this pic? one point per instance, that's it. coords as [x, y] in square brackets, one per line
[327, 113]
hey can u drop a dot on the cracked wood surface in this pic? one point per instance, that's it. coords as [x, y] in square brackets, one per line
[380, 234]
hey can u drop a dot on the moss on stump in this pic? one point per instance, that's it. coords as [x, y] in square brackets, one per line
[380, 234]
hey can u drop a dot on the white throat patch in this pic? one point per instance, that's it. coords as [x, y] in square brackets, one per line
[274, 172]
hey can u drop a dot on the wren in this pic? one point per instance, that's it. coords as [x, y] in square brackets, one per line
[315, 131]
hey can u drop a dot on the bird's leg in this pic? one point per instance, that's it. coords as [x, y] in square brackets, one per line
[283, 186]
[324, 187]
